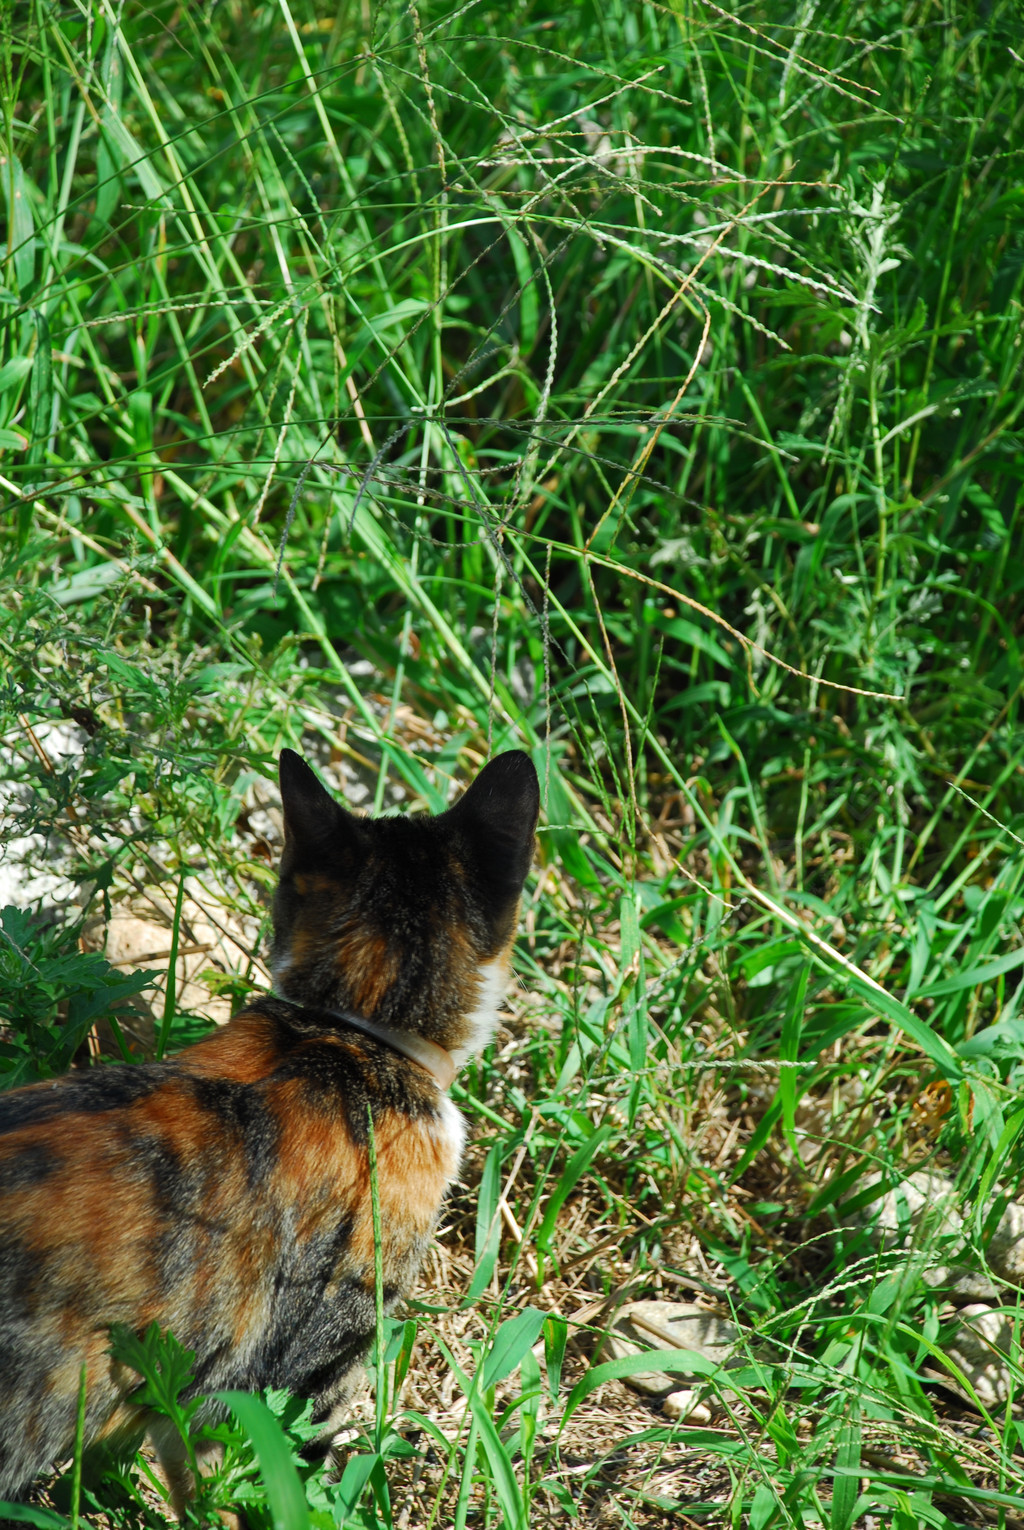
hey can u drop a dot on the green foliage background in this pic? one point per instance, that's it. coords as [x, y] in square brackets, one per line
[638, 384]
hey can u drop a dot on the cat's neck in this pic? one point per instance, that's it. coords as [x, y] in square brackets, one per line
[467, 1036]
[427, 1054]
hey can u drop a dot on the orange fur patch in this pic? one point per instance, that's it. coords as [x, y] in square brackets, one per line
[368, 965]
[416, 1161]
[243, 1051]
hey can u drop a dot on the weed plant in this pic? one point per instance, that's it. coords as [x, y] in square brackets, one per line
[639, 384]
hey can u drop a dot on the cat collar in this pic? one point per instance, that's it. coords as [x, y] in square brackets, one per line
[427, 1054]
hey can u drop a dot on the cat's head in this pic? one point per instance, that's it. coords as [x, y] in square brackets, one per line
[406, 921]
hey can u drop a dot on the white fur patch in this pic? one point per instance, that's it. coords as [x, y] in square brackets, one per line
[454, 1128]
[483, 1022]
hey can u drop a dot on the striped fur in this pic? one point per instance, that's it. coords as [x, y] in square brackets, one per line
[224, 1193]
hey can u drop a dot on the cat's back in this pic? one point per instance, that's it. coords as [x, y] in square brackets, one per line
[263, 1119]
[223, 1194]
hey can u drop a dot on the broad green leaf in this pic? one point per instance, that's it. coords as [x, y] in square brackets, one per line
[512, 1341]
[789, 1051]
[488, 1226]
[40, 392]
[132, 157]
[762, 1507]
[1008, 1034]
[935, 1047]
[503, 1476]
[529, 298]
[285, 1497]
[683, 1362]
[14, 372]
[556, 1333]
[28, 1514]
[20, 224]
[985, 973]
[358, 1470]
[629, 933]
[847, 1481]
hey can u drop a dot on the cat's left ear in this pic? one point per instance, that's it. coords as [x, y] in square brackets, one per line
[499, 811]
[311, 815]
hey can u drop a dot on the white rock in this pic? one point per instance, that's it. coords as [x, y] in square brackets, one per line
[981, 1347]
[655, 1325]
[922, 1206]
[1006, 1251]
[32, 870]
[961, 1281]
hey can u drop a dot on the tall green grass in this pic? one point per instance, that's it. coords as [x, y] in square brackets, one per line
[637, 384]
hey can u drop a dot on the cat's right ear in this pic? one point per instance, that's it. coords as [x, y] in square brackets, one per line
[312, 818]
[499, 811]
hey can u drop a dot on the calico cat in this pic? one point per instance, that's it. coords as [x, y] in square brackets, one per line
[224, 1193]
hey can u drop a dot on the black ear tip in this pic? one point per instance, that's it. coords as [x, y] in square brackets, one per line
[292, 768]
[505, 796]
[514, 775]
[311, 814]
[513, 765]
[298, 778]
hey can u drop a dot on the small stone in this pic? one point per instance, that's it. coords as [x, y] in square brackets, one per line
[981, 1347]
[654, 1325]
[1006, 1251]
[683, 1405]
